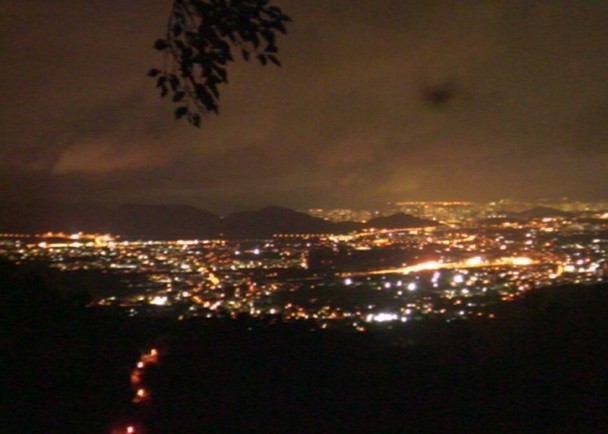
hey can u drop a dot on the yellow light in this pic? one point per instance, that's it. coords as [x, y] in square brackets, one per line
[474, 261]
[430, 265]
[521, 261]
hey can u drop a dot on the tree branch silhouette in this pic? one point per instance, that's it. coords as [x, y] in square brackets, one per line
[202, 37]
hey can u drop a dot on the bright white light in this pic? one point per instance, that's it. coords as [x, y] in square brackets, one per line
[159, 301]
[411, 286]
[459, 278]
[387, 285]
[476, 260]
[381, 317]
[256, 251]
[348, 281]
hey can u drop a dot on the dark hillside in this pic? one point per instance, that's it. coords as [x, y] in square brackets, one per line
[543, 368]
[540, 367]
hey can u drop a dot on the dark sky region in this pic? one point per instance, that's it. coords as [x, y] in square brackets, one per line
[377, 101]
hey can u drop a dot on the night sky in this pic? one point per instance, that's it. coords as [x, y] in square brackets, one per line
[377, 101]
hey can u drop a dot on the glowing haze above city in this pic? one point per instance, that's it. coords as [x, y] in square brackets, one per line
[376, 102]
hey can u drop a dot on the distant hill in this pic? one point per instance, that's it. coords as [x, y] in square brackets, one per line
[130, 221]
[271, 220]
[170, 222]
[50, 216]
[542, 212]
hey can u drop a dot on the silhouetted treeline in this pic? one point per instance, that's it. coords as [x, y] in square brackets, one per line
[65, 368]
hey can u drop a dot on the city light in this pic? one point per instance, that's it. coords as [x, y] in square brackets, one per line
[381, 317]
[429, 272]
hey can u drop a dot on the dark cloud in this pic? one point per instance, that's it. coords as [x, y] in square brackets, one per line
[376, 101]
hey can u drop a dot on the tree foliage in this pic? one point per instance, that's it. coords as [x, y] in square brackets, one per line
[202, 37]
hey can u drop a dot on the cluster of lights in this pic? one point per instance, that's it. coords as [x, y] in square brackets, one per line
[384, 317]
[142, 394]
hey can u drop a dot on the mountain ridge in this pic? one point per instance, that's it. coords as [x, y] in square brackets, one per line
[165, 222]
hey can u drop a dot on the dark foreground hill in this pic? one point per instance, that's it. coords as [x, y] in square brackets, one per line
[540, 367]
[541, 370]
